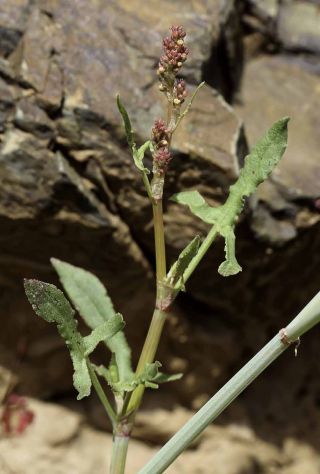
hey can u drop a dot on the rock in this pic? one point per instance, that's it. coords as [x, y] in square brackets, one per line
[266, 88]
[266, 10]
[58, 441]
[57, 436]
[13, 16]
[298, 26]
[303, 458]
[7, 104]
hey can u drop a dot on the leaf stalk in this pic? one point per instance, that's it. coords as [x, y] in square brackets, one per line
[101, 394]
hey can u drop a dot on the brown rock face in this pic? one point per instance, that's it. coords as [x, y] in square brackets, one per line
[298, 26]
[69, 188]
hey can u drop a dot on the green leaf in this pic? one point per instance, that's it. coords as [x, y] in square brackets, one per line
[104, 332]
[127, 123]
[257, 167]
[165, 378]
[138, 156]
[230, 266]
[90, 298]
[176, 271]
[51, 304]
[150, 378]
[197, 205]
[109, 376]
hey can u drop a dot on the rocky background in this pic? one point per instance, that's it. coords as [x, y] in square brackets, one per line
[69, 190]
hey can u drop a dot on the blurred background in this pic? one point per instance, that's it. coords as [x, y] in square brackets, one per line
[68, 189]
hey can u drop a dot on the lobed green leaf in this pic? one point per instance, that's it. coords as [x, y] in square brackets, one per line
[50, 303]
[257, 167]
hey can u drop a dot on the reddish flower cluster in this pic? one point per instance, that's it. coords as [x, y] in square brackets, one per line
[160, 141]
[175, 54]
[16, 416]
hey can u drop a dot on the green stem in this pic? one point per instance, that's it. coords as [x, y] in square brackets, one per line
[154, 333]
[102, 396]
[306, 319]
[159, 240]
[147, 355]
[119, 454]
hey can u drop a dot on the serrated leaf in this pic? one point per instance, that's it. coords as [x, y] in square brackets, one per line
[50, 303]
[90, 298]
[104, 332]
[257, 167]
[176, 271]
[126, 122]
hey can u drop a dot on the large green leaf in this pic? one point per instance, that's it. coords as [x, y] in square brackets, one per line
[90, 298]
[51, 304]
[257, 167]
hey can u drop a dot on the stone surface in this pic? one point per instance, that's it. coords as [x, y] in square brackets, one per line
[266, 10]
[13, 17]
[298, 26]
[59, 442]
[295, 181]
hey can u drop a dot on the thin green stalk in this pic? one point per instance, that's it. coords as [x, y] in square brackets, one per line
[306, 319]
[147, 355]
[101, 394]
[119, 454]
[147, 185]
